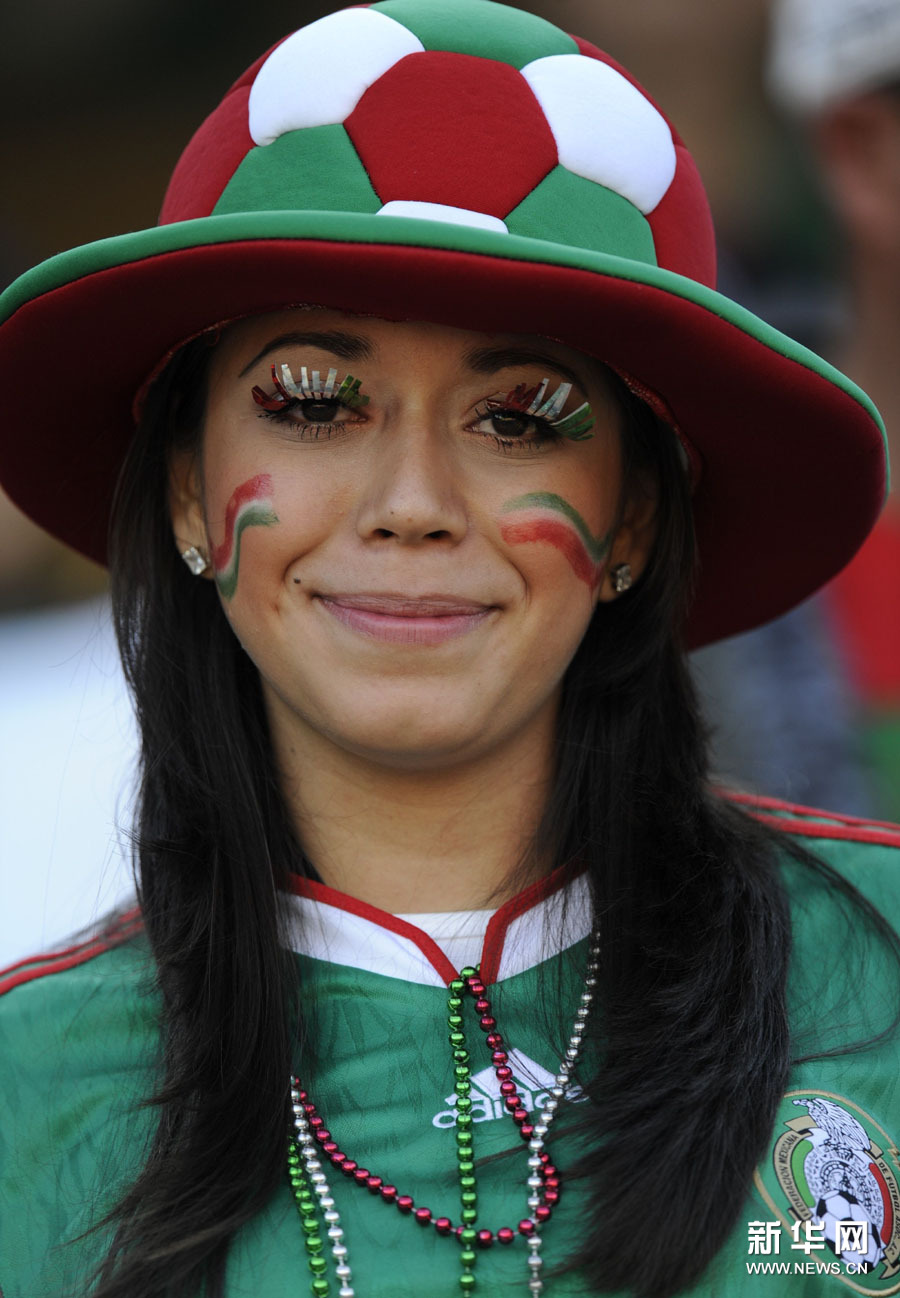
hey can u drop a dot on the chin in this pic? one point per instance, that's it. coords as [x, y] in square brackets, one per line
[424, 737]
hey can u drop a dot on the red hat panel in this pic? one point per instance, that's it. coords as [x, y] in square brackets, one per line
[453, 129]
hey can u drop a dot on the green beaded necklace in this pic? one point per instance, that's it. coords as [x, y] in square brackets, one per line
[309, 1221]
[465, 1163]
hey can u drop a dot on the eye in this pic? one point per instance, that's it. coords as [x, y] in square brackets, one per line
[527, 417]
[317, 412]
[312, 420]
[513, 425]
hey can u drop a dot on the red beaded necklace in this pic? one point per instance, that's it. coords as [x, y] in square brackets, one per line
[312, 1138]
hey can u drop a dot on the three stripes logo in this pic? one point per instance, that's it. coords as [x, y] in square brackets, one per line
[533, 1083]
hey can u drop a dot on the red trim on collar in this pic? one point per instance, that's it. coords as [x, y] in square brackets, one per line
[527, 899]
[331, 897]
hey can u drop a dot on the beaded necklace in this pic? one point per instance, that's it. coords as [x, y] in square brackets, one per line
[312, 1193]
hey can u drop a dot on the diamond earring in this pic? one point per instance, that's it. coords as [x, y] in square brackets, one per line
[621, 577]
[195, 560]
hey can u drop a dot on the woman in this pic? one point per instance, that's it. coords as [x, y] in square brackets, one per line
[397, 423]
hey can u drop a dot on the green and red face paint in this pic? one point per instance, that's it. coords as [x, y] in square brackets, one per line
[543, 516]
[250, 506]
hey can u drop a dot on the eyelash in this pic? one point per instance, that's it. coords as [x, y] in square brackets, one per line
[346, 392]
[290, 395]
[522, 402]
[533, 405]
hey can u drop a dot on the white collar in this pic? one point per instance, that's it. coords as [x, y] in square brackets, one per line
[547, 917]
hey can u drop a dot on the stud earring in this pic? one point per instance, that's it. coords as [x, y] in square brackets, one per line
[195, 560]
[621, 577]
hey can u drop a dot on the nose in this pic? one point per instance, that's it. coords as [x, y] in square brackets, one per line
[412, 494]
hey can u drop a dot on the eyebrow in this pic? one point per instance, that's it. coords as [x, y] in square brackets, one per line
[488, 360]
[350, 347]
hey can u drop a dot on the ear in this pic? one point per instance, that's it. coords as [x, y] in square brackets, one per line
[186, 504]
[634, 536]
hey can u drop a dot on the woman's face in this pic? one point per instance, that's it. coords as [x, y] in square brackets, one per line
[409, 529]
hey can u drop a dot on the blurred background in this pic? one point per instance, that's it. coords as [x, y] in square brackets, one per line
[101, 97]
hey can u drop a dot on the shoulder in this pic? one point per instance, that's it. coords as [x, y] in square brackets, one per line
[118, 932]
[77, 1056]
[812, 822]
[865, 852]
[109, 966]
[843, 888]
[77, 1005]
[78, 1009]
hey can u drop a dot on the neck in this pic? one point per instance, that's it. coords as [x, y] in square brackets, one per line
[455, 838]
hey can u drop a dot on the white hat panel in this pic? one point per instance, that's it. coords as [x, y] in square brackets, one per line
[442, 212]
[605, 129]
[318, 75]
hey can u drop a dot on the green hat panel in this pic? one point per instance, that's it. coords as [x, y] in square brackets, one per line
[491, 31]
[568, 209]
[316, 169]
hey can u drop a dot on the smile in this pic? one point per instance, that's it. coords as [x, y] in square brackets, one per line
[400, 619]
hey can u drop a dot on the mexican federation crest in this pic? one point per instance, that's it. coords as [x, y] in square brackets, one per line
[833, 1166]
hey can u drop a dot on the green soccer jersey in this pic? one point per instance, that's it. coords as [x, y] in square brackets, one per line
[79, 1043]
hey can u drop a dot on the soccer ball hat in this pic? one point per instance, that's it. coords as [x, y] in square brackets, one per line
[468, 164]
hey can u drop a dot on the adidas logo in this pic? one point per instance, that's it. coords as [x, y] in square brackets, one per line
[533, 1082]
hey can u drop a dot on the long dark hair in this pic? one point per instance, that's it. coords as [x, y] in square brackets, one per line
[690, 911]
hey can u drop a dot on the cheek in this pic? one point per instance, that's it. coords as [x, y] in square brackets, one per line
[552, 524]
[251, 525]
[259, 525]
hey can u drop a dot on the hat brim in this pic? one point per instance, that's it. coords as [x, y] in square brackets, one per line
[791, 454]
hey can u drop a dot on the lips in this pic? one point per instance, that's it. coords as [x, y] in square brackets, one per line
[403, 619]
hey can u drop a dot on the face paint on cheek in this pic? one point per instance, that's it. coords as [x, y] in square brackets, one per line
[250, 506]
[543, 516]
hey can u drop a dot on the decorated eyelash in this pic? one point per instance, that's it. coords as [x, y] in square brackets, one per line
[531, 401]
[310, 388]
